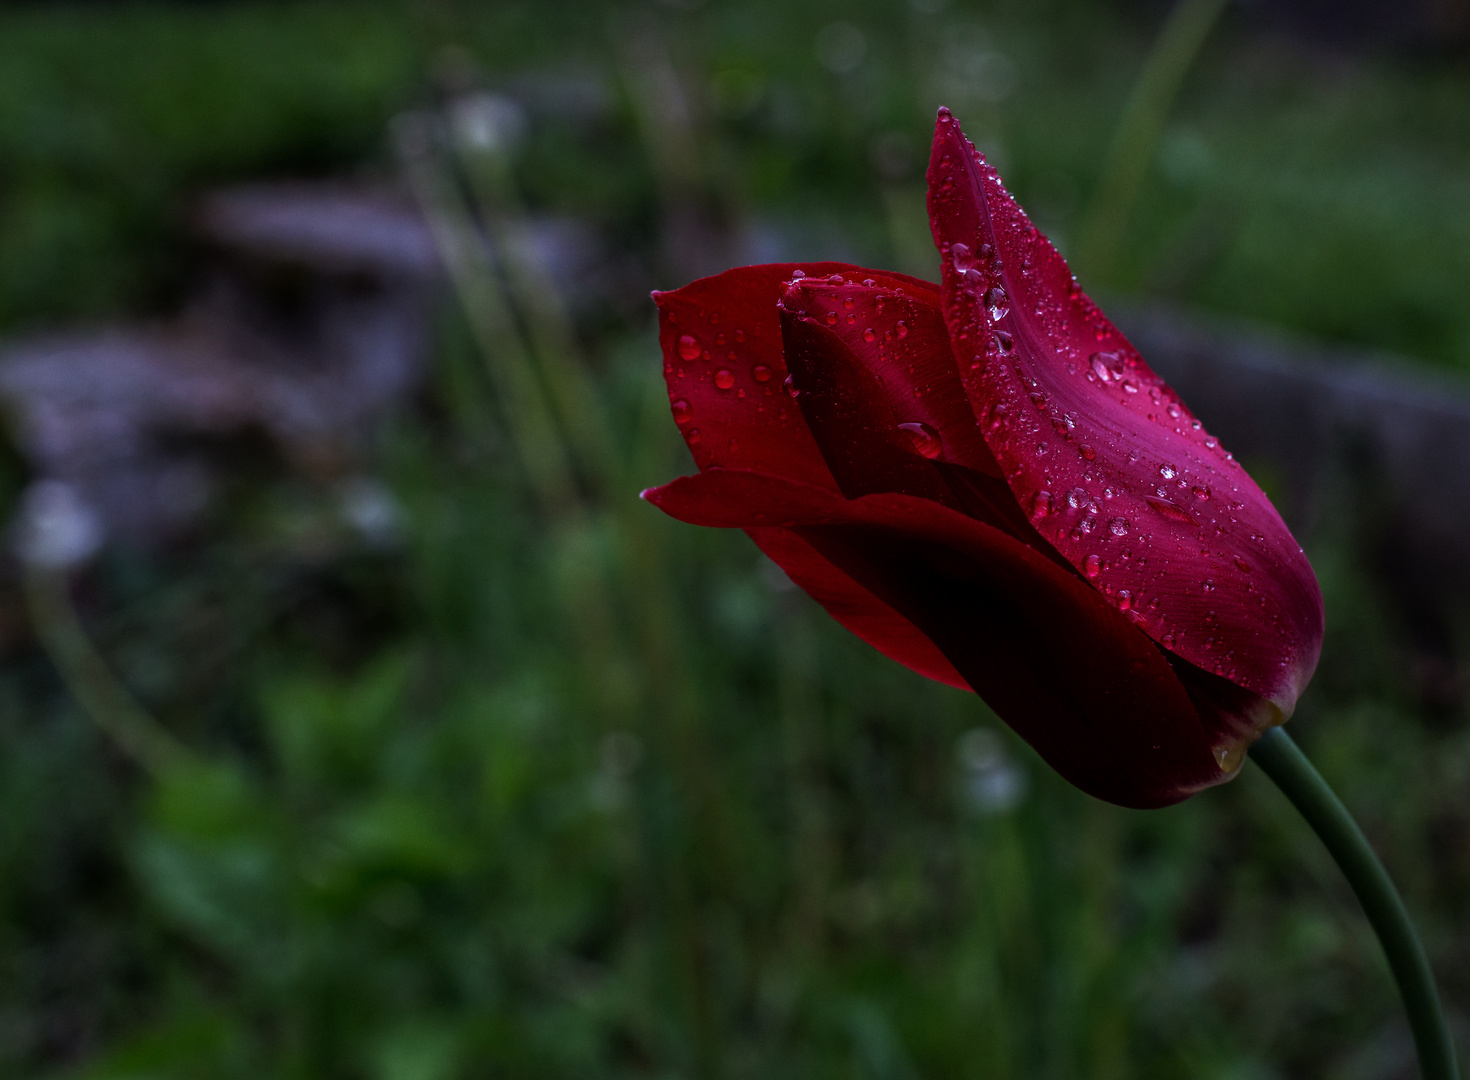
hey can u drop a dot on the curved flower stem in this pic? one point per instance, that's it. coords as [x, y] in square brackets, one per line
[87, 676]
[1284, 762]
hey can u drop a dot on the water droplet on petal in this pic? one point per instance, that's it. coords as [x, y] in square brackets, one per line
[689, 348]
[1119, 526]
[831, 318]
[868, 334]
[998, 303]
[1229, 757]
[1077, 498]
[1125, 600]
[724, 378]
[1102, 365]
[1242, 564]
[1004, 341]
[1166, 471]
[1040, 505]
[760, 373]
[1088, 452]
[1167, 641]
[1200, 492]
[790, 387]
[1092, 566]
[1172, 511]
[924, 438]
[902, 328]
[682, 415]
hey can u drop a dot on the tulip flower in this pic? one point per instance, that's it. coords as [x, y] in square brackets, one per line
[987, 483]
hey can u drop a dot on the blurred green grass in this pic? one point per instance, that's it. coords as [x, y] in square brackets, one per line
[441, 828]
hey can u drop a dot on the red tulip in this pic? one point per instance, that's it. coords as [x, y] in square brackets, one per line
[986, 482]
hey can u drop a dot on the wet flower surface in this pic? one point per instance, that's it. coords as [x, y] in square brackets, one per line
[985, 481]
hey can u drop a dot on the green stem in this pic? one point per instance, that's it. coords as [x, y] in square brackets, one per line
[1284, 763]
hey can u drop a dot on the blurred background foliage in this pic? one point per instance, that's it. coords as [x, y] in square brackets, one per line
[530, 781]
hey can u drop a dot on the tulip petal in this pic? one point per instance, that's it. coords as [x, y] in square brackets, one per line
[1070, 673]
[891, 419]
[854, 607]
[898, 339]
[1128, 486]
[721, 341]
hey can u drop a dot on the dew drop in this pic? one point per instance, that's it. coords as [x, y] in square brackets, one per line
[1088, 452]
[869, 335]
[761, 373]
[682, 415]
[1125, 600]
[692, 436]
[963, 259]
[1166, 471]
[1200, 492]
[924, 438]
[1172, 511]
[831, 318]
[1167, 641]
[1077, 498]
[902, 328]
[998, 303]
[1102, 365]
[1242, 564]
[688, 347]
[1004, 341]
[1092, 566]
[847, 303]
[1119, 526]
[739, 335]
[997, 416]
[1040, 505]
[724, 378]
[1229, 757]
[1038, 399]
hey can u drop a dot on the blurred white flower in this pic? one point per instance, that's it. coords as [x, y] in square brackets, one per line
[489, 123]
[370, 508]
[990, 781]
[56, 529]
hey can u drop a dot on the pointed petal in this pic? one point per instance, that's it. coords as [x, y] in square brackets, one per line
[1072, 675]
[1144, 502]
[722, 362]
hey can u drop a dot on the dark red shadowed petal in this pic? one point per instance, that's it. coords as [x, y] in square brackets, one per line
[1071, 674]
[898, 341]
[881, 397]
[1138, 497]
[721, 342]
[857, 609]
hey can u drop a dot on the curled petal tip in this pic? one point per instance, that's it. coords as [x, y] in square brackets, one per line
[647, 494]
